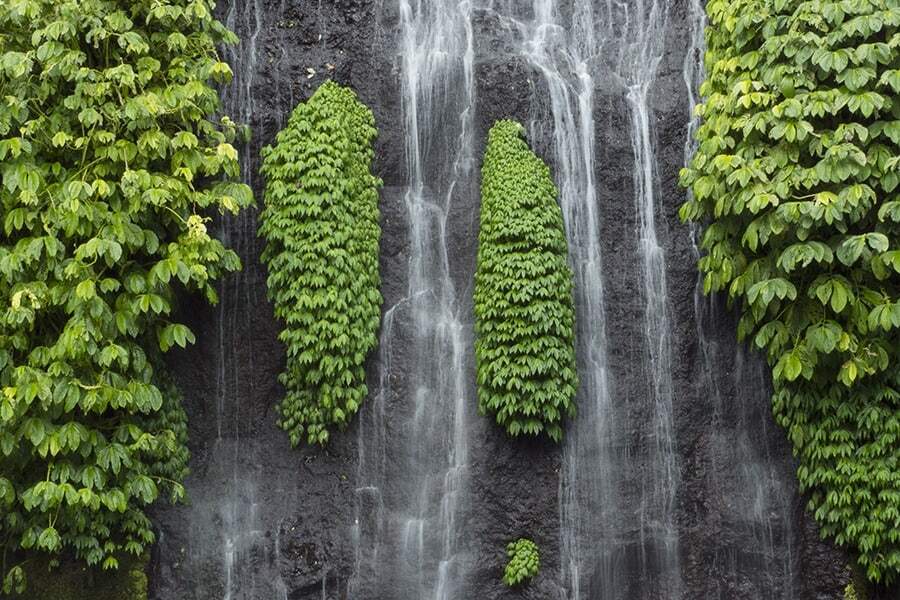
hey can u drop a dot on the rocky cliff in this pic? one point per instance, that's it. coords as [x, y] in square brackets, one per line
[267, 521]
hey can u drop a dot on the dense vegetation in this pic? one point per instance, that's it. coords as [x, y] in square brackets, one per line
[797, 175]
[524, 314]
[70, 580]
[109, 163]
[524, 562]
[322, 233]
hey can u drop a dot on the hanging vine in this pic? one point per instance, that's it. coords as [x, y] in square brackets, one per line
[322, 235]
[797, 177]
[109, 163]
[524, 313]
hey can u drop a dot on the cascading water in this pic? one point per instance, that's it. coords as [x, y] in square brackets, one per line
[595, 83]
[588, 499]
[411, 492]
[757, 506]
[237, 511]
[560, 49]
[610, 548]
[636, 31]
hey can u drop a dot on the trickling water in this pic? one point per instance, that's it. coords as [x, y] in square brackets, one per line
[368, 524]
[637, 31]
[280, 585]
[764, 491]
[414, 534]
[237, 510]
[284, 91]
[414, 500]
[227, 529]
[561, 48]
[757, 505]
[609, 549]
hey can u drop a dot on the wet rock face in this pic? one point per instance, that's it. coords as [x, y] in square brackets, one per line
[276, 522]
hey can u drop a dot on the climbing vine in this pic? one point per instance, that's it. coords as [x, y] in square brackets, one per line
[524, 562]
[322, 234]
[109, 162]
[797, 177]
[524, 313]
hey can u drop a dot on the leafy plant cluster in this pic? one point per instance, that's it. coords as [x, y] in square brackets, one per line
[108, 163]
[524, 562]
[321, 225]
[524, 313]
[797, 175]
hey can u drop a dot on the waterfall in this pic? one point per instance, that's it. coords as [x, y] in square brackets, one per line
[560, 50]
[757, 505]
[418, 497]
[610, 547]
[638, 30]
[237, 510]
[410, 505]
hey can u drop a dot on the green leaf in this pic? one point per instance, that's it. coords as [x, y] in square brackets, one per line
[14, 581]
[785, 184]
[321, 226]
[85, 290]
[49, 540]
[106, 114]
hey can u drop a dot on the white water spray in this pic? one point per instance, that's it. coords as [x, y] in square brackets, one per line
[637, 30]
[412, 543]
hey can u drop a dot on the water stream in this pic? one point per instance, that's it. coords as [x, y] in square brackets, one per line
[755, 504]
[561, 47]
[640, 28]
[226, 503]
[615, 542]
[237, 511]
[411, 546]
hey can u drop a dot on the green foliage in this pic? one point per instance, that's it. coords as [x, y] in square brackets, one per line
[524, 314]
[797, 175]
[524, 561]
[850, 592]
[108, 162]
[321, 228]
[74, 581]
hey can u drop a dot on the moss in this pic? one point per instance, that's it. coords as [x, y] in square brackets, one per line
[75, 581]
